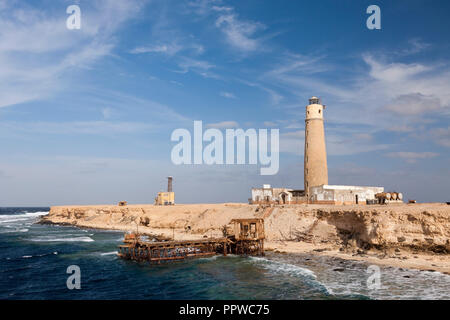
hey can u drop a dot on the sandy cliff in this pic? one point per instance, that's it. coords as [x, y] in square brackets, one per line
[400, 231]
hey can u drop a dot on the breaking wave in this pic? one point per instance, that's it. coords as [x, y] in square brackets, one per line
[74, 239]
[108, 253]
[6, 218]
[280, 267]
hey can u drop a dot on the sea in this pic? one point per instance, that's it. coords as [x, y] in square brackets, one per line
[35, 260]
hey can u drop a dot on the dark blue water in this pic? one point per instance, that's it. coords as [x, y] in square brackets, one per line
[34, 259]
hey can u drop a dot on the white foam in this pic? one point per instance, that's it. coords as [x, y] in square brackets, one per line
[25, 257]
[108, 253]
[5, 218]
[284, 267]
[278, 267]
[24, 215]
[74, 239]
[209, 258]
[394, 285]
[13, 220]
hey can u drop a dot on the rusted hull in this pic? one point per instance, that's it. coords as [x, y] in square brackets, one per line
[247, 239]
[157, 252]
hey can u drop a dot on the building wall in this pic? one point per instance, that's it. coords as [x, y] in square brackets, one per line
[262, 194]
[271, 195]
[315, 166]
[165, 198]
[325, 194]
[343, 194]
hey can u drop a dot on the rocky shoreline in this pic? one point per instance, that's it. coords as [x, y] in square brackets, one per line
[407, 236]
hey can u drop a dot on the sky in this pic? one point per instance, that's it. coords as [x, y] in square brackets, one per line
[86, 115]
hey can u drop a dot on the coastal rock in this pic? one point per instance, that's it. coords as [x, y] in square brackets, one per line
[422, 227]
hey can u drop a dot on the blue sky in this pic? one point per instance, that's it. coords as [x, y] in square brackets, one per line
[86, 115]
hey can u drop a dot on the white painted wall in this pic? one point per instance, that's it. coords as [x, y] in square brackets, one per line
[344, 193]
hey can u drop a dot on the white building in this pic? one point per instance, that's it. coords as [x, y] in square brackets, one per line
[334, 194]
[267, 194]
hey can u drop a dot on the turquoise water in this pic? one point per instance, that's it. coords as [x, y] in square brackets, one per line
[34, 259]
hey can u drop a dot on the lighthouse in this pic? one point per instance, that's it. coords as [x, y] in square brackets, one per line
[316, 189]
[315, 168]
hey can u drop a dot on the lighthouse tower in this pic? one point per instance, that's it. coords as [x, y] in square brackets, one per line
[316, 171]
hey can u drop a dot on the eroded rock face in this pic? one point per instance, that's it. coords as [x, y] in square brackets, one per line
[419, 226]
[404, 226]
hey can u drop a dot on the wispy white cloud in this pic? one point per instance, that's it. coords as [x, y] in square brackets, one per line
[298, 63]
[339, 142]
[223, 125]
[122, 103]
[106, 128]
[188, 63]
[239, 33]
[107, 113]
[269, 124]
[351, 170]
[37, 50]
[441, 136]
[222, 8]
[408, 89]
[274, 96]
[176, 83]
[415, 45]
[169, 49]
[412, 157]
[395, 93]
[201, 67]
[228, 95]
[393, 72]
[344, 140]
[413, 104]
[203, 7]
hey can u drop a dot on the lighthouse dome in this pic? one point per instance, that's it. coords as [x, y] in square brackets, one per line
[314, 100]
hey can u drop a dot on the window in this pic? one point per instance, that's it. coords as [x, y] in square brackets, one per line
[319, 110]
